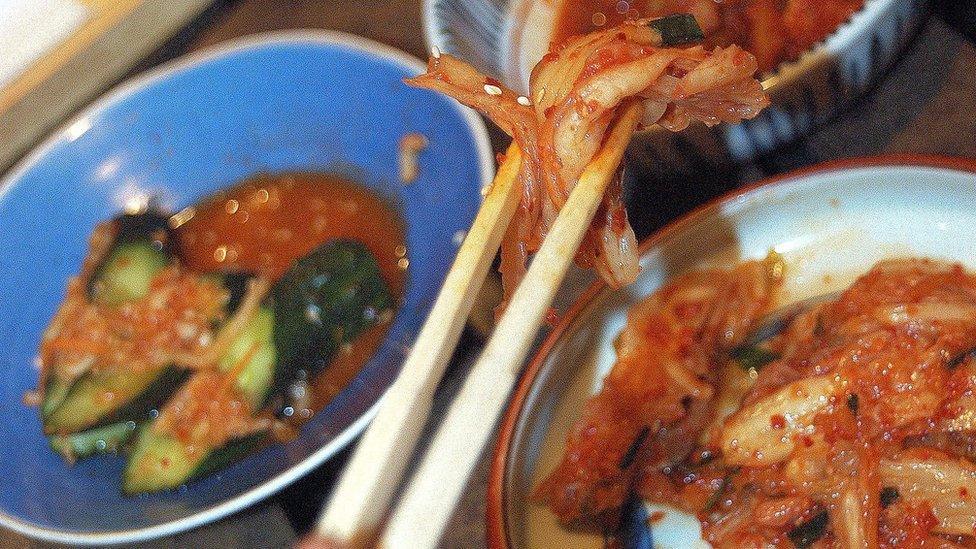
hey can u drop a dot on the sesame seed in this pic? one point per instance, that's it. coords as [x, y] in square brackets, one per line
[524, 101]
[435, 52]
[492, 89]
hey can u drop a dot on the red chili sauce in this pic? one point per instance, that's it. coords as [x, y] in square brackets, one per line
[267, 222]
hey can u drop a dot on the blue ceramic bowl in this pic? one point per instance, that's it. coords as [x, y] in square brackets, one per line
[297, 101]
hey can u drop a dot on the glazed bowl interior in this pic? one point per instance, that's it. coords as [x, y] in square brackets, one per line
[303, 101]
[830, 224]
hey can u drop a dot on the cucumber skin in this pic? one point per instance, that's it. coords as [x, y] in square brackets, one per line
[236, 282]
[327, 298]
[55, 391]
[144, 227]
[230, 453]
[677, 29]
[74, 412]
[103, 440]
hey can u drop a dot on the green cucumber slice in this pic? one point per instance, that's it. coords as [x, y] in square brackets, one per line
[326, 299]
[255, 378]
[142, 247]
[101, 440]
[101, 398]
[161, 462]
[127, 272]
[55, 392]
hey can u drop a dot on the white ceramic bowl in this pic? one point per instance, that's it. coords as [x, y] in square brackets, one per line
[831, 223]
[505, 38]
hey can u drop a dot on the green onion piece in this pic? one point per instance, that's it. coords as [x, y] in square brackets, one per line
[631, 452]
[750, 357]
[888, 496]
[806, 534]
[677, 29]
[716, 497]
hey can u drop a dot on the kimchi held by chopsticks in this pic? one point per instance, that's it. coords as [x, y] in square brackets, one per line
[574, 93]
[849, 425]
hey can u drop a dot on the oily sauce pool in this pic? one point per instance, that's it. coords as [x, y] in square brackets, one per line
[265, 223]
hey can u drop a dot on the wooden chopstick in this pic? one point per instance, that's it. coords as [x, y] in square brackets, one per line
[429, 500]
[362, 497]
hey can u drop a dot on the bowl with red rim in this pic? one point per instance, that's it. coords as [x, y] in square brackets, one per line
[830, 223]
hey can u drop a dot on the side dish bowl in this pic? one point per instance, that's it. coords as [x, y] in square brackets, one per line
[298, 101]
[830, 223]
[505, 38]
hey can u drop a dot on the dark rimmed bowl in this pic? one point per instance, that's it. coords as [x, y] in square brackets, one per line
[830, 222]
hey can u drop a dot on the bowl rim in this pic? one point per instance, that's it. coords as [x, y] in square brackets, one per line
[496, 524]
[78, 123]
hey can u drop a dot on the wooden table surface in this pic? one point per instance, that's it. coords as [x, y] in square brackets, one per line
[907, 112]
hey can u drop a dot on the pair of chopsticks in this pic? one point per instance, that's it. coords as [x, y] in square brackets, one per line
[358, 505]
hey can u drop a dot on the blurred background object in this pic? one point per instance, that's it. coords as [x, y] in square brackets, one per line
[59, 54]
[29, 29]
